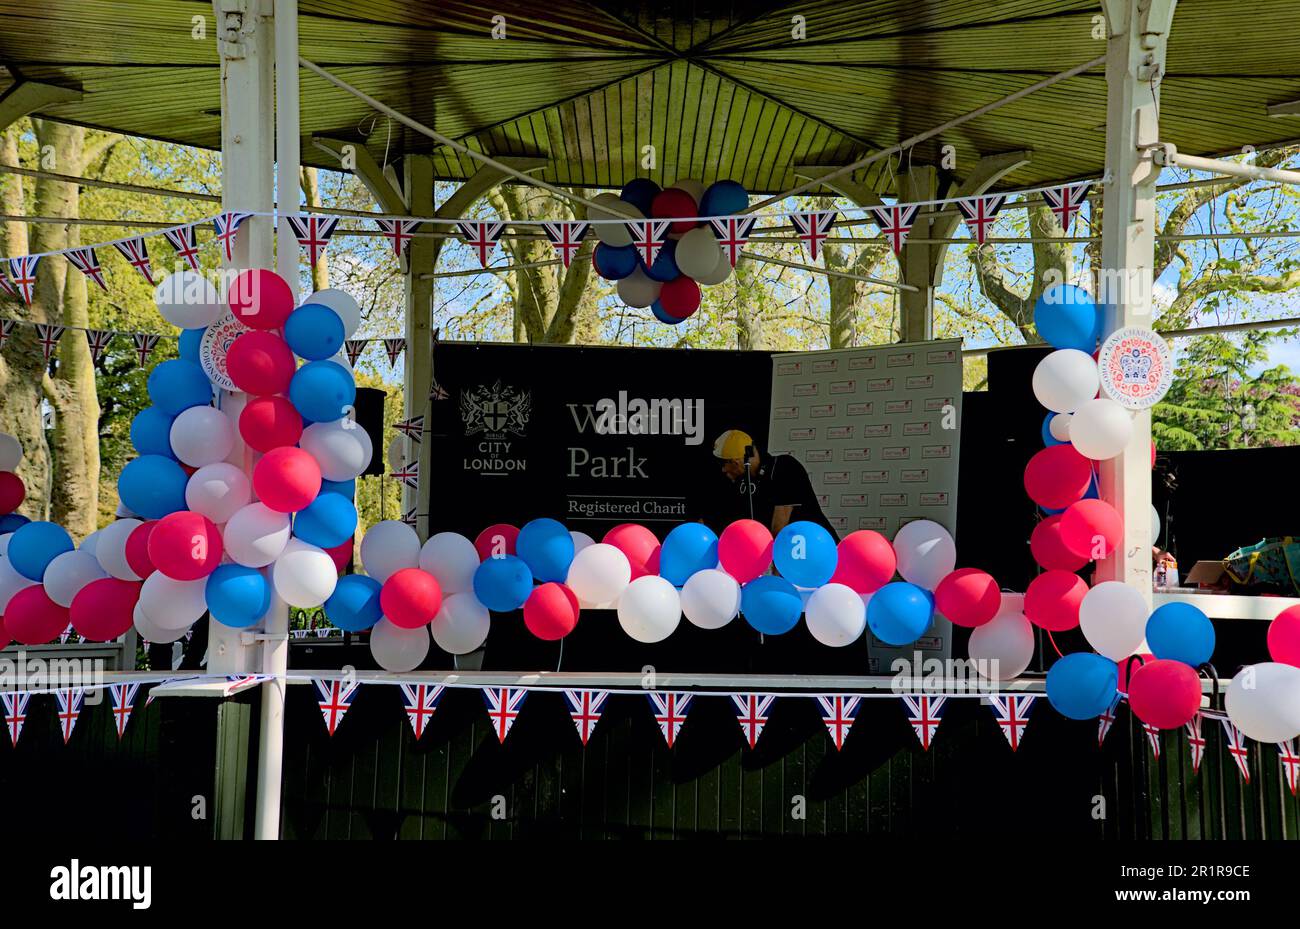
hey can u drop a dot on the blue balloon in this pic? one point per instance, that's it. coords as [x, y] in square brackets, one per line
[152, 486]
[346, 488]
[12, 522]
[771, 604]
[657, 309]
[237, 596]
[1082, 685]
[35, 545]
[151, 432]
[640, 192]
[614, 263]
[188, 344]
[724, 198]
[322, 391]
[314, 332]
[665, 267]
[1048, 439]
[688, 548]
[547, 548]
[327, 521]
[503, 584]
[900, 613]
[175, 386]
[805, 553]
[1066, 317]
[1182, 632]
[354, 605]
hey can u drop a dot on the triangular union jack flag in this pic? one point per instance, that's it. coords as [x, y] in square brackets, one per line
[1066, 201]
[503, 705]
[648, 236]
[354, 348]
[670, 711]
[22, 274]
[313, 233]
[733, 234]
[482, 237]
[227, 227]
[335, 699]
[186, 242]
[144, 343]
[409, 475]
[136, 252]
[409, 517]
[751, 713]
[895, 223]
[420, 700]
[398, 231]
[122, 697]
[1290, 764]
[237, 682]
[1012, 712]
[394, 347]
[1106, 720]
[7, 287]
[585, 706]
[1195, 742]
[1153, 738]
[567, 238]
[87, 262]
[813, 228]
[15, 707]
[70, 703]
[838, 713]
[979, 213]
[97, 341]
[924, 713]
[412, 428]
[1237, 748]
[6, 330]
[48, 335]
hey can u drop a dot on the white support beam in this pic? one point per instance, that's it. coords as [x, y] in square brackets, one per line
[356, 158]
[28, 97]
[1289, 108]
[1169, 156]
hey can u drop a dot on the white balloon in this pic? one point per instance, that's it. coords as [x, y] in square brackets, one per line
[110, 548]
[341, 448]
[580, 540]
[153, 633]
[698, 252]
[1113, 618]
[304, 575]
[926, 553]
[202, 435]
[1065, 380]
[691, 186]
[717, 275]
[1263, 701]
[256, 535]
[461, 625]
[10, 583]
[638, 289]
[710, 598]
[1003, 647]
[11, 452]
[388, 547]
[452, 559]
[87, 544]
[598, 574]
[398, 649]
[1101, 429]
[342, 304]
[1059, 427]
[218, 491]
[68, 573]
[4, 543]
[615, 234]
[172, 604]
[835, 615]
[396, 453]
[1155, 524]
[123, 511]
[649, 609]
[187, 299]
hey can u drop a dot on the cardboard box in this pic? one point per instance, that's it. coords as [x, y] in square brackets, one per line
[1207, 574]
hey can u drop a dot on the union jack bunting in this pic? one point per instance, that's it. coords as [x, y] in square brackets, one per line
[398, 231]
[567, 238]
[97, 341]
[409, 475]
[733, 234]
[1106, 720]
[1237, 748]
[482, 237]
[648, 236]
[238, 682]
[6, 330]
[420, 700]
[186, 242]
[979, 213]
[335, 699]
[1153, 738]
[670, 711]
[409, 517]
[412, 428]
[66, 634]
[813, 228]
[503, 705]
[48, 335]
[438, 392]
[136, 252]
[15, 707]
[122, 697]
[1290, 764]
[313, 233]
[895, 223]
[838, 713]
[6, 285]
[751, 713]
[394, 348]
[22, 275]
[70, 703]
[87, 262]
[144, 343]
[585, 706]
[1195, 742]
[923, 713]
[354, 348]
[1066, 201]
[227, 227]
[1012, 712]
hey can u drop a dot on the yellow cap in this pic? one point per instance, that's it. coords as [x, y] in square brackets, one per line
[731, 444]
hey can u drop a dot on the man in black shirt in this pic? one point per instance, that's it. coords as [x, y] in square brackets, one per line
[779, 487]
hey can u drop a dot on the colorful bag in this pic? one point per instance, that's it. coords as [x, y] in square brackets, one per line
[1272, 564]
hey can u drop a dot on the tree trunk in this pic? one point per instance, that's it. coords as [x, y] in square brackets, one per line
[846, 294]
[750, 334]
[320, 271]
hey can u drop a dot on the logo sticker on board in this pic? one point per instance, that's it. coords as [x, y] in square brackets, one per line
[1136, 368]
[214, 345]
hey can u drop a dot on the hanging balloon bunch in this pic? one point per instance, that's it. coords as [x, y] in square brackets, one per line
[689, 256]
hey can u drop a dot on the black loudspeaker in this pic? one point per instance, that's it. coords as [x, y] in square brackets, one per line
[370, 417]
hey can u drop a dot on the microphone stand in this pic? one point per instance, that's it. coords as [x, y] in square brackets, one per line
[749, 495]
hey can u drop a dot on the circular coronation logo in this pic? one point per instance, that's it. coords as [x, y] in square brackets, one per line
[215, 344]
[1136, 368]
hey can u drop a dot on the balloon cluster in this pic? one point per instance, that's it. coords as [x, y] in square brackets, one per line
[690, 256]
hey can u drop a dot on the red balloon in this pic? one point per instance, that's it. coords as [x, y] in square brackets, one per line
[32, 618]
[1165, 693]
[185, 546]
[1153, 453]
[551, 611]
[1048, 548]
[496, 541]
[137, 550]
[5, 637]
[639, 544]
[260, 299]
[286, 479]
[1146, 658]
[745, 549]
[680, 297]
[1052, 600]
[866, 563]
[270, 422]
[1284, 636]
[1091, 529]
[342, 553]
[1057, 476]
[410, 598]
[968, 597]
[12, 491]
[104, 609]
[260, 363]
[672, 203]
